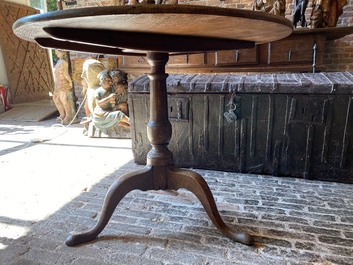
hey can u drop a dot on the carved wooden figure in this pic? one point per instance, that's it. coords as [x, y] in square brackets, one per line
[63, 96]
[106, 113]
[325, 13]
[90, 70]
[105, 104]
[90, 81]
[276, 7]
[120, 86]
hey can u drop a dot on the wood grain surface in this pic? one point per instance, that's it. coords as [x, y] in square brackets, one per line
[168, 20]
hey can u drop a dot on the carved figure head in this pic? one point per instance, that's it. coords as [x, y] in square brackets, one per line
[105, 80]
[90, 70]
[61, 54]
[119, 77]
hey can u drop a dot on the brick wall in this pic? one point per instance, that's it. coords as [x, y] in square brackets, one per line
[338, 53]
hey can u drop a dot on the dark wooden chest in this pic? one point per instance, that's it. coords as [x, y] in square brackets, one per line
[296, 125]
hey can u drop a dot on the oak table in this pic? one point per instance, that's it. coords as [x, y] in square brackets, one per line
[158, 31]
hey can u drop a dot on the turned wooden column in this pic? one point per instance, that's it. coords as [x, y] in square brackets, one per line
[159, 129]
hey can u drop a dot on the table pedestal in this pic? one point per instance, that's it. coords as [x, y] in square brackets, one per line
[160, 172]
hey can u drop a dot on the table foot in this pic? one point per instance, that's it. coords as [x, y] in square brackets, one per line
[140, 179]
[192, 181]
[145, 179]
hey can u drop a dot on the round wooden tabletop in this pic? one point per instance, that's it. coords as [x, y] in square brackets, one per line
[165, 28]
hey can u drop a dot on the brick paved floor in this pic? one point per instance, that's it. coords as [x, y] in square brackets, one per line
[51, 189]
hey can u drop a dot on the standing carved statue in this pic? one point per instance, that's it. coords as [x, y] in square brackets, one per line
[325, 13]
[63, 95]
[276, 7]
[299, 13]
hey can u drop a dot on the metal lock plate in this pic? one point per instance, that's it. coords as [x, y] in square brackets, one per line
[178, 108]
